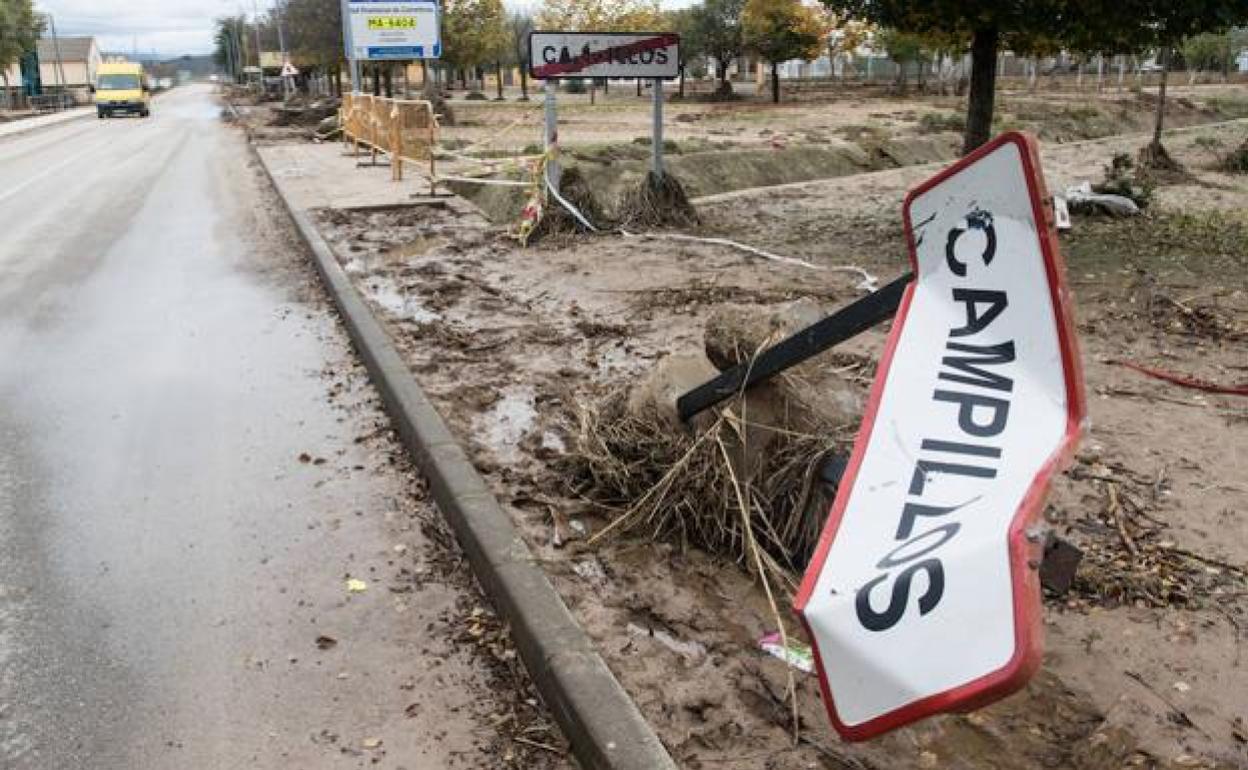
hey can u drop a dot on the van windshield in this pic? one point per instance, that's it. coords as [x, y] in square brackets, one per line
[119, 83]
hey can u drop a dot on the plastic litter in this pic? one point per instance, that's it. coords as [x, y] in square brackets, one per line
[797, 654]
[1082, 200]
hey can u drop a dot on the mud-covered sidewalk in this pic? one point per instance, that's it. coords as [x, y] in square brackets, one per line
[1143, 664]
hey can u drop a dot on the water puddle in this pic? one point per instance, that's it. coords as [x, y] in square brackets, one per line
[507, 421]
[690, 651]
[399, 303]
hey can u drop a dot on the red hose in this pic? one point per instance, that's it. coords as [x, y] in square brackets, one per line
[1184, 381]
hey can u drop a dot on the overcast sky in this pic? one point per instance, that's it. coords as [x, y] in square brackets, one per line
[171, 27]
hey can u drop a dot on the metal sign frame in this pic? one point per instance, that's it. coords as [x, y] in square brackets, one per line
[663, 39]
[551, 133]
[1023, 549]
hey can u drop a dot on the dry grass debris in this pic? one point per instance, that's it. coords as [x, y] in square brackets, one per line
[688, 486]
[659, 201]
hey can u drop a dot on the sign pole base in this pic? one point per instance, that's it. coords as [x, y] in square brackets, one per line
[551, 144]
[657, 137]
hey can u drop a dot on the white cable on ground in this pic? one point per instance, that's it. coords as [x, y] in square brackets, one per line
[485, 181]
[563, 201]
[869, 282]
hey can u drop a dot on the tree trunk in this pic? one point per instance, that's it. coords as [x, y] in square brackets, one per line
[639, 86]
[723, 74]
[983, 92]
[376, 79]
[524, 82]
[387, 76]
[682, 80]
[775, 83]
[1161, 96]
[499, 66]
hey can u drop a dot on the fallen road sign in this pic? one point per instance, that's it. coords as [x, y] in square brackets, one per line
[604, 55]
[923, 594]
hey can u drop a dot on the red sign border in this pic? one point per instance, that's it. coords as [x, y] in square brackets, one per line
[672, 38]
[1028, 615]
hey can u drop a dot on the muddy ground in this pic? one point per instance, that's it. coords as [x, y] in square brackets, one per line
[499, 721]
[1143, 664]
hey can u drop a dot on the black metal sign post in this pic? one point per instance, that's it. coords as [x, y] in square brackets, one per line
[848, 322]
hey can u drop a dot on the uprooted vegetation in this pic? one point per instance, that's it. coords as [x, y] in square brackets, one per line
[749, 480]
[1124, 177]
[717, 171]
[1236, 161]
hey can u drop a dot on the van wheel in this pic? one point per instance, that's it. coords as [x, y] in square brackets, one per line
[145, 113]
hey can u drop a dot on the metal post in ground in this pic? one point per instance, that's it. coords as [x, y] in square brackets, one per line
[551, 143]
[352, 62]
[657, 137]
[396, 142]
[433, 168]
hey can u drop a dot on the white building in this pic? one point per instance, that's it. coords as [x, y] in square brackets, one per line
[66, 63]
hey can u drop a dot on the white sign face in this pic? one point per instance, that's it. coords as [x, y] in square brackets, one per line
[923, 595]
[392, 29]
[604, 55]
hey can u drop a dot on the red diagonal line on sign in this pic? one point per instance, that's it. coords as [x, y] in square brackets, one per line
[583, 61]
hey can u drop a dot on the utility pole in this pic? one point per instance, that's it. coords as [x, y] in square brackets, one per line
[255, 13]
[281, 34]
[281, 44]
[60, 65]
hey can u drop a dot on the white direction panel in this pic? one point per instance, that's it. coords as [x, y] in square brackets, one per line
[604, 55]
[392, 29]
[923, 595]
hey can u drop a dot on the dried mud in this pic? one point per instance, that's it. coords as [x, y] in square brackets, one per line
[1143, 664]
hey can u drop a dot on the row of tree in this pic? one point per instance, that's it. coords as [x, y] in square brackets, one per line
[19, 29]
[1046, 26]
[481, 34]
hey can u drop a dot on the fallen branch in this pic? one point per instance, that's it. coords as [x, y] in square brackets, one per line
[1115, 510]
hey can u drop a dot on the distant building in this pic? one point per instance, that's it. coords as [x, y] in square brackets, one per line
[79, 59]
[1242, 60]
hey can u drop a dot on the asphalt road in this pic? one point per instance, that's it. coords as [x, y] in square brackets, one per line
[190, 470]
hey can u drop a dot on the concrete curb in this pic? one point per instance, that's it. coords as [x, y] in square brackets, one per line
[596, 715]
[24, 130]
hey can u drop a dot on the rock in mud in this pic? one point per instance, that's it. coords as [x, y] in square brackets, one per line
[734, 333]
